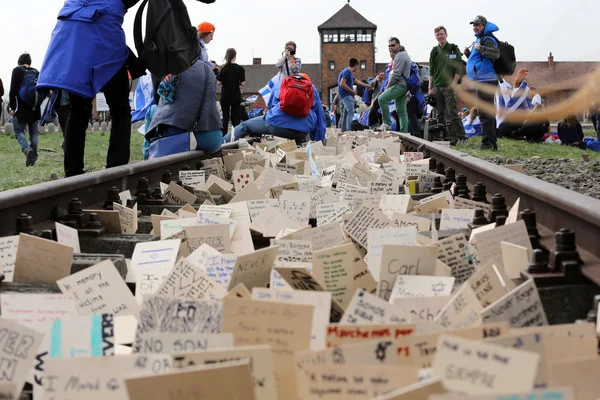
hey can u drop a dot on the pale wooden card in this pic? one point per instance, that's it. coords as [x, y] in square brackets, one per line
[41, 261]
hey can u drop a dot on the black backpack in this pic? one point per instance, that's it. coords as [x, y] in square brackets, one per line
[27, 91]
[506, 64]
[171, 44]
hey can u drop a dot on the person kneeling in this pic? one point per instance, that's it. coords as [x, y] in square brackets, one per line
[188, 104]
[278, 122]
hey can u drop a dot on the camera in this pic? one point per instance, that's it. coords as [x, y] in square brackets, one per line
[291, 50]
[430, 100]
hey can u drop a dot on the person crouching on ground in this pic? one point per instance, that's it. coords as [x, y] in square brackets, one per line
[188, 103]
[570, 132]
[278, 123]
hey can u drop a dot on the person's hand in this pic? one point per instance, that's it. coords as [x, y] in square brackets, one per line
[355, 93]
[12, 113]
[465, 50]
[431, 91]
[477, 46]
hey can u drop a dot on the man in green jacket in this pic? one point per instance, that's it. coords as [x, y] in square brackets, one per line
[445, 65]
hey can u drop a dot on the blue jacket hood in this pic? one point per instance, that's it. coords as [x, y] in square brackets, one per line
[490, 28]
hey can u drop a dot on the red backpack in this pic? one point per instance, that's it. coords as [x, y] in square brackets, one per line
[296, 96]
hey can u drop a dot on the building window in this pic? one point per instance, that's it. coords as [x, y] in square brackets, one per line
[331, 65]
[348, 35]
[363, 64]
[364, 35]
[330, 36]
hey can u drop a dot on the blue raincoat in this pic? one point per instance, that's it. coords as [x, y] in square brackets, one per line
[480, 68]
[87, 47]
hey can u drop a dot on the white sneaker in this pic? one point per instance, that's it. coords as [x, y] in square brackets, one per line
[384, 128]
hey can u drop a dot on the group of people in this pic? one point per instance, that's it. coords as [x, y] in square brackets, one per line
[86, 56]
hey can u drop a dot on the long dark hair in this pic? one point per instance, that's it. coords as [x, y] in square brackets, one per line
[230, 54]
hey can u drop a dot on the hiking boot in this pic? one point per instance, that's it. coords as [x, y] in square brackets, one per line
[29, 157]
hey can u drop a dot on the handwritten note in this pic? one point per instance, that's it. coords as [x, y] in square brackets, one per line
[226, 381]
[477, 368]
[89, 336]
[254, 269]
[335, 266]
[128, 218]
[189, 282]
[151, 262]
[488, 242]
[18, 349]
[376, 238]
[286, 327]
[365, 218]
[320, 300]
[41, 261]
[456, 254]
[191, 178]
[403, 260]
[422, 286]
[177, 195]
[487, 285]
[260, 360]
[365, 308]
[160, 314]
[353, 381]
[169, 342]
[452, 218]
[67, 236]
[8, 256]
[462, 311]
[407, 220]
[98, 378]
[296, 205]
[272, 220]
[217, 236]
[99, 290]
[373, 352]
[521, 307]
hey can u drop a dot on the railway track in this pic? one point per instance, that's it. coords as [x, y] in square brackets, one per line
[556, 208]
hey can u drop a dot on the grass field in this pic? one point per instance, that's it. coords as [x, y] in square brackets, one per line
[14, 174]
[516, 149]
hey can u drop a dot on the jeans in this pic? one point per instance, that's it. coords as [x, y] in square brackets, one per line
[33, 135]
[397, 93]
[116, 92]
[445, 100]
[259, 126]
[347, 104]
[488, 122]
[206, 141]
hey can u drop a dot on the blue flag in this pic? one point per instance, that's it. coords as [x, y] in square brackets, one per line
[143, 98]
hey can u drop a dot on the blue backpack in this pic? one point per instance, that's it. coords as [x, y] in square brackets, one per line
[27, 92]
[413, 82]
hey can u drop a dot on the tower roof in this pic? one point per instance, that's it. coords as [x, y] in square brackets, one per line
[347, 17]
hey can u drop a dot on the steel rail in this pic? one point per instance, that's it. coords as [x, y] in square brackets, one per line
[91, 188]
[555, 206]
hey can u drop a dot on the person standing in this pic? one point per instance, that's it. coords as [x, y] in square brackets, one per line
[26, 112]
[232, 77]
[87, 54]
[445, 65]
[396, 88]
[480, 69]
[1, 101]
[288, 64]
[206, 33]
[346, 93]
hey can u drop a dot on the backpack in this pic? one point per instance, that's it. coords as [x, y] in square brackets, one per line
[296, 96]
[27, 92]
[506, 64]
[413, 82]
[171, 44]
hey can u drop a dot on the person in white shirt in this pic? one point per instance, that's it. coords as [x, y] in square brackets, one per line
[537, 99]
[288, 64]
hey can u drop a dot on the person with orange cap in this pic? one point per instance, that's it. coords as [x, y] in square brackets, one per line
[206, 32]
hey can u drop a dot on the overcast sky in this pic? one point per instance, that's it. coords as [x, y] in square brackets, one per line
[260, 28]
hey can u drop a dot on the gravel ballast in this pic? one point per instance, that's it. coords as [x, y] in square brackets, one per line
[578, 175]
